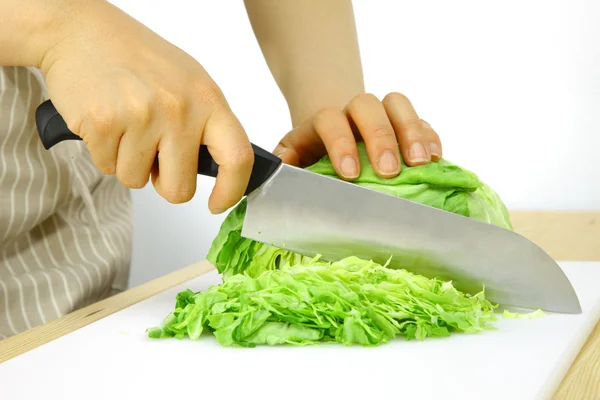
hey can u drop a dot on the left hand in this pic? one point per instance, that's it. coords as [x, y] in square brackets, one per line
[387, 127]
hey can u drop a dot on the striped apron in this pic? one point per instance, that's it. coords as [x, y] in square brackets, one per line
[65, 228]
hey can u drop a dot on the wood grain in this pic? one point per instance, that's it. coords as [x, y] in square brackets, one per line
[583, 379]
[566, 236]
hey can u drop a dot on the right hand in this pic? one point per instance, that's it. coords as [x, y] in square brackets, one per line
[129, 94]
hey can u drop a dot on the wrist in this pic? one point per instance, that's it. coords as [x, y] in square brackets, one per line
[33, 27]
[72, 17]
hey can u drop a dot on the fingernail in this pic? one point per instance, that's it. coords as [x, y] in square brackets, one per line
[217, 211]
[279, 151]
[417, 153]
[388, 164]
[435, 150]
[349, 167]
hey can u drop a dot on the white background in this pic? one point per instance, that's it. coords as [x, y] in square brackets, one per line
[512, 87]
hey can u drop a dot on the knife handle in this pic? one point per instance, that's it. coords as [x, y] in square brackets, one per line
[53, 129]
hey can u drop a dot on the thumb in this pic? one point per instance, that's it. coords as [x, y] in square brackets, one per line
[230, 147]
[301, 146]
[287, 155]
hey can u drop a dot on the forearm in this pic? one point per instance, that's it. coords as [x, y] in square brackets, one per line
[311, 48]
[29, 27]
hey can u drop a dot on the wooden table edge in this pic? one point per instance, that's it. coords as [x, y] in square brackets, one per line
[16, 345]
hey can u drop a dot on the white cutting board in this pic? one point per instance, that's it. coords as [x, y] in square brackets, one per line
[113, 359]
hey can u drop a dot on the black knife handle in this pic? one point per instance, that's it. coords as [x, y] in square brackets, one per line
[53, 129]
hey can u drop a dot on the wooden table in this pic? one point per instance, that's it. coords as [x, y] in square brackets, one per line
[566, 236]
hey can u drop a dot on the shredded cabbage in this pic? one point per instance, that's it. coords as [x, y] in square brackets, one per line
[351, 301]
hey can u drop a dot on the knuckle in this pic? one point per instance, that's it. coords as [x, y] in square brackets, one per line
[395, 98]
[209, 94]
[139, 109]
[99, 118]
[343, 143]
[175, 192]
[173, 105]
[323, 118]
[103, 154]
[413, 129]
[238, 159]
[242, 158]
[381, 132]
[362, 98]
[365, 97]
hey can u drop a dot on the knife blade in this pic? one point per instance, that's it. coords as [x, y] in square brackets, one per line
[311, 214]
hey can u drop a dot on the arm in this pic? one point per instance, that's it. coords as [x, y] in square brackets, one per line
[313, 57]
[130, 95]
[311, 48]
[27, 28]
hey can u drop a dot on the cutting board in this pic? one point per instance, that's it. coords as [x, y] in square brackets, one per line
[113, 359]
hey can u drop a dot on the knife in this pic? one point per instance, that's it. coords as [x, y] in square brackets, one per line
[311, 214]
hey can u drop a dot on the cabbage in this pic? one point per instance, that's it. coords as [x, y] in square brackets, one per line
[439, 184]
[351, 301]
[274, 296]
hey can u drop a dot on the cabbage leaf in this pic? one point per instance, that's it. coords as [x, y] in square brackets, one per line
[441, 184]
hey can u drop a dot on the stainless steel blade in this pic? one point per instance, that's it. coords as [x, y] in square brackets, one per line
[312, 214]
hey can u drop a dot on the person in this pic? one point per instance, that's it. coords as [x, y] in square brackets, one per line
[65, 213]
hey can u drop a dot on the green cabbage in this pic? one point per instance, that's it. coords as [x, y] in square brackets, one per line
[274, 296]
[351, 301]
[439, 184]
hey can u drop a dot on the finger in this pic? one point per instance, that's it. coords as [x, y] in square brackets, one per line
[334, 130]
[371, 120]
[301, 146]
[415, 140]
[435, 144]
[229, 146]
[135, 157]
[327, 132]
[297, 148]
[287, 155]
[174, 178]
[102, 130]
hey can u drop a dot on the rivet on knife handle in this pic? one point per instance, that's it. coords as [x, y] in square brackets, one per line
[53, 129]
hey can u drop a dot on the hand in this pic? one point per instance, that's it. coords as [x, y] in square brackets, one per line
[129, 95]
[384, 126]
